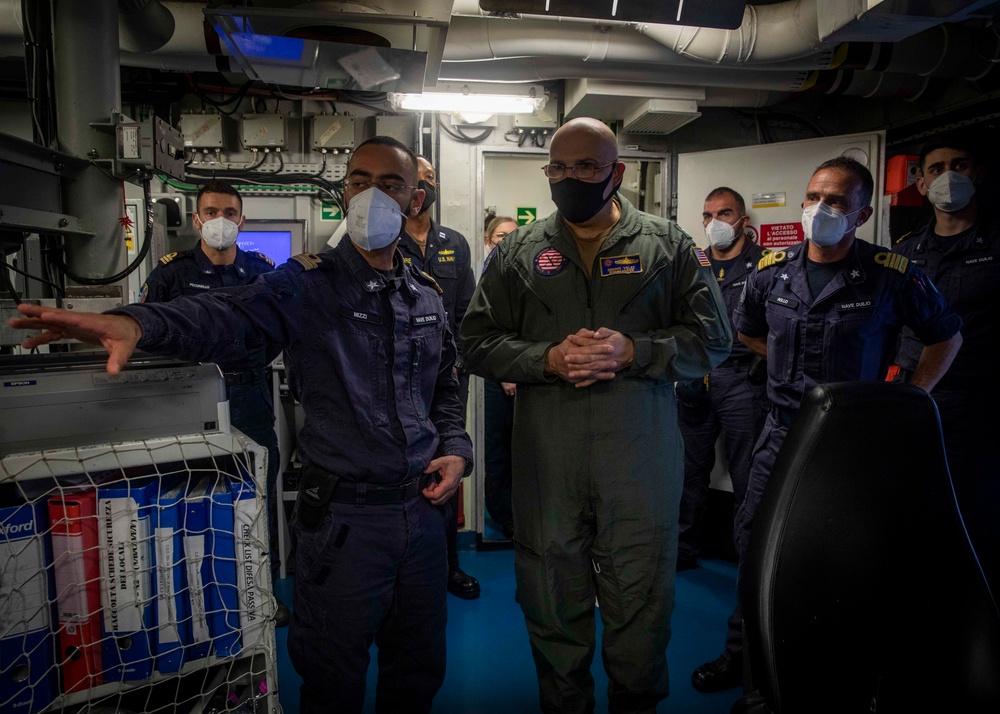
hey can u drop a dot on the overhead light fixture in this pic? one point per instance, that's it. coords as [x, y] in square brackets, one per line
[470, 99]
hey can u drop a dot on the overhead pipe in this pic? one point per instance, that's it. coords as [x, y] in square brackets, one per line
[853, 83]
[768, 33]
[144, 25]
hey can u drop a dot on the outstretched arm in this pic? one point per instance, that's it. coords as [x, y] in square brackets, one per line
[117, 334]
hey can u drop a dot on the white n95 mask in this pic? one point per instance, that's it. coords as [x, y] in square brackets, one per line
[219, 233]
[824, 225]
[951, 191]
[373, 219]
[720, 234]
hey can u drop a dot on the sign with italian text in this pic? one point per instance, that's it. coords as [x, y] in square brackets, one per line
[780, 235]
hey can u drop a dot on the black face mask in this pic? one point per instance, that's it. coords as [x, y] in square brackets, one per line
[579, 201]
[430, 196]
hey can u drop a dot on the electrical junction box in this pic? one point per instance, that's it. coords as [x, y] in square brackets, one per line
[534, 121]
[151, 144]
[332, 131]
[401, 128]
[202, 131]
[260, 131]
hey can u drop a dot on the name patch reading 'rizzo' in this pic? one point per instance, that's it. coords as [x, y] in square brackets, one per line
[425, 319]
[549, 261]
[783, 301]
[620, 265]
[371, 317]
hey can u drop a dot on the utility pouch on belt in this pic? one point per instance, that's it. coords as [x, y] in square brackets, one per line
[757, 372]
[315, 489]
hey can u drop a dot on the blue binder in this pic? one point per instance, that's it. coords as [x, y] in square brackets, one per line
[173, 610]
[125, 540]
[27, 664]
[223, 596]
[198, 569]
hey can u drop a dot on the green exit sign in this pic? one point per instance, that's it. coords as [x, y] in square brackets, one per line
[331, 213]
[526, 215]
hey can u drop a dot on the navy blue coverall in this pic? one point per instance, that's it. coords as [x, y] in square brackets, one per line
[846, 333]
[372, 360]
[966, 269]
[731, 406]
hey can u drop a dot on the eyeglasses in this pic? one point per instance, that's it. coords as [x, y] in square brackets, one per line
[586, 170]
[391, 188]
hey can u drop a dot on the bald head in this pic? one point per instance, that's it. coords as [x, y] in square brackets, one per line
[592, 136]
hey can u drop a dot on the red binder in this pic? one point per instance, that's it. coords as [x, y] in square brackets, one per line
[78, 588]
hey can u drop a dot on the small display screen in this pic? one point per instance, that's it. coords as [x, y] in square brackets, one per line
[276, 245]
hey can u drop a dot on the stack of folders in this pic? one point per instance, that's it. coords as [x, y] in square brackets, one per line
[136, 576]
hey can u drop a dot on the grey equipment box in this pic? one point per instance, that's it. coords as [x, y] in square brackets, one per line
[55, 401]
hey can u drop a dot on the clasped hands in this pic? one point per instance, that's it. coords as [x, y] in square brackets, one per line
[590, 356]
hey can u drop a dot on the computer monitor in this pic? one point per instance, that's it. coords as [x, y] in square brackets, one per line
[278, 240]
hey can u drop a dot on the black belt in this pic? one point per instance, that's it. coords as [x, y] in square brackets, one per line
[785, 417]
[366, 494]
[250, 376]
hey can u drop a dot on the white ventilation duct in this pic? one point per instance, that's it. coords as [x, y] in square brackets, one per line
[477, 39]
[768, 33]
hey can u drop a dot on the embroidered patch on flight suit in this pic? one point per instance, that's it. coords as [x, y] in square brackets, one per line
[770, 259]
[168, 257]
[307, 260]
[549, 262]
[372, 317]
[700, 256]
[621, 265]
[446, 252]
[431, 319]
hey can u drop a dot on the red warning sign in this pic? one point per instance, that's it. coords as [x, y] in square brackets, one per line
[780, 235]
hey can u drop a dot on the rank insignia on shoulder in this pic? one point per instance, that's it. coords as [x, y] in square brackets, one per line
[307, 260]
[700, 256]
[430, 281]
[265, 259]
[770, 259]
[168, 257]
[893, 261]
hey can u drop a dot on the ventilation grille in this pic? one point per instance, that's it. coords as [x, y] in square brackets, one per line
[661, 116]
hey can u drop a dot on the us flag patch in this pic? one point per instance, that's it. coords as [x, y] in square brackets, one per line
[700, 256]
[549, 261]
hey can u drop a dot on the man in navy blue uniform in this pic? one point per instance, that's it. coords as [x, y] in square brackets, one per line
[827, 310]
[383, 443]
[216, 261]
[724, 401]
[960, 251]
[445, 255]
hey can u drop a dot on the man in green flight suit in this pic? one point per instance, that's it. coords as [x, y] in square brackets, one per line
[595, 312]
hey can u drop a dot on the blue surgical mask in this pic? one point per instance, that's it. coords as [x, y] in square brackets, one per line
[951, 191]
[374, 220]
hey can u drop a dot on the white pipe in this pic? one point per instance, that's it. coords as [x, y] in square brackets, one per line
[475, 39]
[768, 33]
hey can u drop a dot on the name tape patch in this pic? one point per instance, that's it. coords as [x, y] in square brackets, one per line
[620, 265]
[371, 317]
[425, 319]
[783, 301]
[856, 305]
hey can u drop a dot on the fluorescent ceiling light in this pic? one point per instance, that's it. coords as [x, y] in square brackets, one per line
[468, 101]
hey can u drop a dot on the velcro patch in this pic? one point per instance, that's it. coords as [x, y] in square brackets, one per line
[783, 301]
[371, 317]
[856, 305]
[549, 262]
[621, 265]
[700, 256]
[431, 319]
